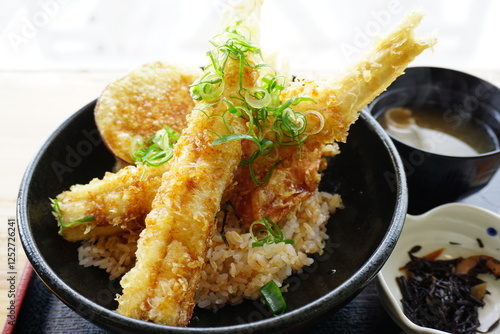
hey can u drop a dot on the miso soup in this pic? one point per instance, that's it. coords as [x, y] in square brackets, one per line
[435, 129]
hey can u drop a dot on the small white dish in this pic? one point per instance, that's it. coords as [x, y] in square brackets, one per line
[463, 230]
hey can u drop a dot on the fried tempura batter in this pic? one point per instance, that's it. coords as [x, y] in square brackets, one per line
[339, 101]
[136, 105]
[139, 104]
[119, 201]
[172, 248]
[297, 176]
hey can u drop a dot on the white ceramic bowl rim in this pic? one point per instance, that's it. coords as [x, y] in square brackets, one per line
[470, 224]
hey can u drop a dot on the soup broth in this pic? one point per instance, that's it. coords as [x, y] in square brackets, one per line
[433, 128]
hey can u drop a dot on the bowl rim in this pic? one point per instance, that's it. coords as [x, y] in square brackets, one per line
[441, 155]
[102, 316]
[390, 302]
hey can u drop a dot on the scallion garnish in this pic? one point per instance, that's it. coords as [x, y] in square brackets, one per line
[86, 219]
[271, 122]
[266, 231]
[208, 88]
[157, 149]
[57, 211]
[273, 297]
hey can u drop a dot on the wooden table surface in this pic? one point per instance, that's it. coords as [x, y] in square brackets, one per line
[33, 105]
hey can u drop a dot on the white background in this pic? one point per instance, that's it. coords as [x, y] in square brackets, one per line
[313, 34]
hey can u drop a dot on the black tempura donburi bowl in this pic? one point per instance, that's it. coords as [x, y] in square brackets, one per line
[435, 178]
[368, 174]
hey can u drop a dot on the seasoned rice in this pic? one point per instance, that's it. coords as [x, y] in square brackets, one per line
[115, 254]
[235, 271]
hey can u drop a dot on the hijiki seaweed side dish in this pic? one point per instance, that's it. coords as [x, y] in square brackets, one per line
[446, 294]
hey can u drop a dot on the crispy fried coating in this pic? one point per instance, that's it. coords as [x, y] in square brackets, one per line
[298, 175]
[142, 102]
[116, 202]
[138, 104]
[339, 101]
[172, 248]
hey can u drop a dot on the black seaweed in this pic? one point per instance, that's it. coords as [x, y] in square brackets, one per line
[435, 297]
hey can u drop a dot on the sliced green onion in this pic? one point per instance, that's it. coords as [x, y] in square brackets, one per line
[293, 123]
[165, 137]
[208, 88]
[266, 146]
[270, 233]
[321, 119]
[298, 100]
[151, 157]
[268, 176]
[226, 138]
[86, 219]
[267, 150]
[137, 142]
[273, 297]
[158, 149]
[274, 83]
[57, 212]
[257, 97]
[260, 106]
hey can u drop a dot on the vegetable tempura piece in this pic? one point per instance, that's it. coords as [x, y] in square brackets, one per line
[338, 101]
[335, 107]
[119, 201]
[172, 248]
[133, 108]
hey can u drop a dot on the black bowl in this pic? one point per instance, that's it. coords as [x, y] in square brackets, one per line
[435, 179]
[368, 174]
